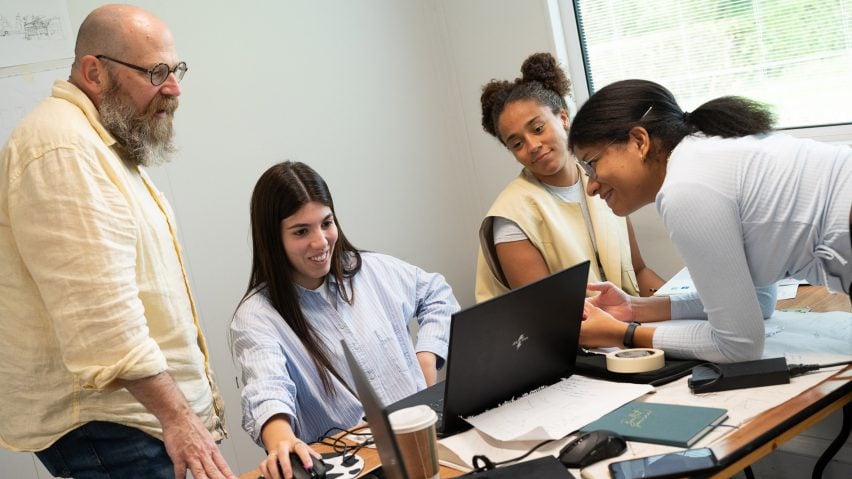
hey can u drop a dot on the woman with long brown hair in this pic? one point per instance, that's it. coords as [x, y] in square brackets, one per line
[309, 289]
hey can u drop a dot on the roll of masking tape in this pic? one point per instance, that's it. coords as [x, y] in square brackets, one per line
[638, 360]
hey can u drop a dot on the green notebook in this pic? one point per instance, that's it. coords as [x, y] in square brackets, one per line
[669, 424]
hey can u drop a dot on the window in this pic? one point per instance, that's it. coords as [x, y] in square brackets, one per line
[795, 55]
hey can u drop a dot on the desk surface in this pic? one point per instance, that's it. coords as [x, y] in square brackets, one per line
[817, 299]
[766, 432]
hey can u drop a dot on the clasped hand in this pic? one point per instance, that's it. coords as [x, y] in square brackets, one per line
[612, 300]
[604, 316]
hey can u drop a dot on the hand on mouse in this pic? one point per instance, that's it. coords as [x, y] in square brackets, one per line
[280, 441]
[281, 455]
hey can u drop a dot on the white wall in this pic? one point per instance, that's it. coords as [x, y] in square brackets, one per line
[488, 40]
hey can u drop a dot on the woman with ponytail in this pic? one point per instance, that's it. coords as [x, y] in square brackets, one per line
[309, 289]
[744, 206]
[542, 222]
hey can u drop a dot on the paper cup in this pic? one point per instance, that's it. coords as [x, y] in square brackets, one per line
[414, 428]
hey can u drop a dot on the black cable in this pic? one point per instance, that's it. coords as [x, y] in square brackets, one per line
[712, 366]
[339, 446]
[487, 464]
[799, 369]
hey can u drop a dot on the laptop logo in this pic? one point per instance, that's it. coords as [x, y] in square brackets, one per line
[519, 342]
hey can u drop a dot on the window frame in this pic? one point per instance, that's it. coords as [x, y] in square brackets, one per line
[566, 39]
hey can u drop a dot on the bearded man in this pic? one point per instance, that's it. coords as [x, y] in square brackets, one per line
[103, 366]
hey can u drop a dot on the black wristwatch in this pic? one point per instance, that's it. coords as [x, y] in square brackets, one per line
[628, 335]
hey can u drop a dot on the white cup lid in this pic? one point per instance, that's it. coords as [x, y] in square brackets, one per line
[412, 419]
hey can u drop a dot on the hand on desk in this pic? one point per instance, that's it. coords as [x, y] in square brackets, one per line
[190, 446]
[187, 440]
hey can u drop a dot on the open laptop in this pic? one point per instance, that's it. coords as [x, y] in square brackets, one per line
[377, 417]
[508, 346]
[393, 464]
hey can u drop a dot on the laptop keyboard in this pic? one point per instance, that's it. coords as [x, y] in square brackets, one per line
[438, 407]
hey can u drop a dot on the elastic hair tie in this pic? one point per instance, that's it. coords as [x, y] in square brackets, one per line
[686, 117]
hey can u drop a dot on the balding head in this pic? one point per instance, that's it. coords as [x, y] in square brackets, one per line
[115, 29]
[125, 33]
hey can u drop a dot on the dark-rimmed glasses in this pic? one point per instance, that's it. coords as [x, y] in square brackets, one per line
[588, 165]
[157, 74]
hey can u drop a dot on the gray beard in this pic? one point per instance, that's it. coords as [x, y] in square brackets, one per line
[146, 140]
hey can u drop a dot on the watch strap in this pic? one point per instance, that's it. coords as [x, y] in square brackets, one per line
[628, 335]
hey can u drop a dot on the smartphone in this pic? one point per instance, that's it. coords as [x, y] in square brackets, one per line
[671, 465]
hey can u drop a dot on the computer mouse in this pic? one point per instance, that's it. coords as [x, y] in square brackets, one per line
[592, 447]
[299, 471]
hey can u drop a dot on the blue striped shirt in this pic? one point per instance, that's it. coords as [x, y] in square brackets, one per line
[279, 376]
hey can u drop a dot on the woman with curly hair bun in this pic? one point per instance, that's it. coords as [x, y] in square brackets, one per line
[543, 221]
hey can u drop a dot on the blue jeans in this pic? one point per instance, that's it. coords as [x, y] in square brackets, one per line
[106, 450]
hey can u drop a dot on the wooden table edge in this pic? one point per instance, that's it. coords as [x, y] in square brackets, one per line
[770, 429]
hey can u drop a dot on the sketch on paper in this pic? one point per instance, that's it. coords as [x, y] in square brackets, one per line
[34, 31]
[31, 27]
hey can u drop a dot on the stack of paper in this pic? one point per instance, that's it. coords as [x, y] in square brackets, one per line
[681, 283]
[552, 412]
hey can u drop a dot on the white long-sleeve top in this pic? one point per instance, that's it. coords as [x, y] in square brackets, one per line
[745, 213]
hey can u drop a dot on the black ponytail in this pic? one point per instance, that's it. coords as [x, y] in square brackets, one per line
[610, 114]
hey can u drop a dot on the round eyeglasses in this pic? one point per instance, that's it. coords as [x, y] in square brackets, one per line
[589, 165]
[158, 74]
